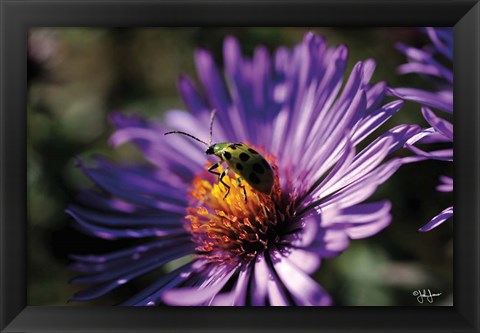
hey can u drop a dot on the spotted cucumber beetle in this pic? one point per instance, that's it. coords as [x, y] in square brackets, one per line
[248, 164]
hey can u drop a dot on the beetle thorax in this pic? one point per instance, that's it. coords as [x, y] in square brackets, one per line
[217, 149]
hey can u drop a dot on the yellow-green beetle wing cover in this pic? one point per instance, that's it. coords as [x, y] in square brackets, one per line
[250, 165]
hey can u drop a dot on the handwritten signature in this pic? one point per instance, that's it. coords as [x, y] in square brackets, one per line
[425, 293]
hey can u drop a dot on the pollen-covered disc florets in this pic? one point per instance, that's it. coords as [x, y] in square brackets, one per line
[233, 229]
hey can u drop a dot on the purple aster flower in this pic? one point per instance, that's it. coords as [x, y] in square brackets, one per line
[290, 107]
[431, 61]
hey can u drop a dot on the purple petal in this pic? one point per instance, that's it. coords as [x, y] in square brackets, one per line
[435, 100]
[317, 101]
[237, 297]
[362, 189]
[98, 201]
[308, 229]
[212, 81]
[375, 96]
[442, 155]
[121, 120]
[154, 257]
[368, 69]
[330, 86]
[240, 290]
[191, 97]
[142, 180]
[427, 135]
[330, 243]
[367, 160]
[338, 170]
[198, 295]
[223, 299]
[366, 220]
[446, 184]
[237, 69]
[298, 283]
[259, 290]
[437, 220]
[363, 164]
[433, 137]
[436, 34]
[121, 189]
[401, 135]
[373, 121]
[276, 295]
[196, 125]
[133, 253]
[216, 91]
[173, 153]
[115, 233]
[423, 62]
[151, 295]
[330, 149]
[433, 69]
[112, 280]
[159, 219]
[414, 54]
[305, 260]
[441, 125]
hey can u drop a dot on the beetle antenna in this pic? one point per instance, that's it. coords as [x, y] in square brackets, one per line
[189, 135]
[212, 118]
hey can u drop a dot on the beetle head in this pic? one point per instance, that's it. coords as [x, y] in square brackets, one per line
[210, 150]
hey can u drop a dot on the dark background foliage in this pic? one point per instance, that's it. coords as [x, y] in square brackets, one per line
[76, 76]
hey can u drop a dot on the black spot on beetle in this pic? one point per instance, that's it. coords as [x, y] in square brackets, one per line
[258, 168]
[252, 151]
[232, 146]
[238, 144]
[244, 157]
[227, 155]
[239, 166]
[254, 178]
[265, 164]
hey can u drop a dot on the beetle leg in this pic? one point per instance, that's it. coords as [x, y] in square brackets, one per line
[220, 178]
[239, 183]
[213, 167]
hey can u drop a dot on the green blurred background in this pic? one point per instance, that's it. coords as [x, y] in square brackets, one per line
[76, 76]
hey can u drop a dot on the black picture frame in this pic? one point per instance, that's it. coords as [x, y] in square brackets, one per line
[16, 16]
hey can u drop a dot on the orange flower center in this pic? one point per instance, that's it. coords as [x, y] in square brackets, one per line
[231, 229]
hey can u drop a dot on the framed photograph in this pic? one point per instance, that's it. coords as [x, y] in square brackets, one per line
[168, 166]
